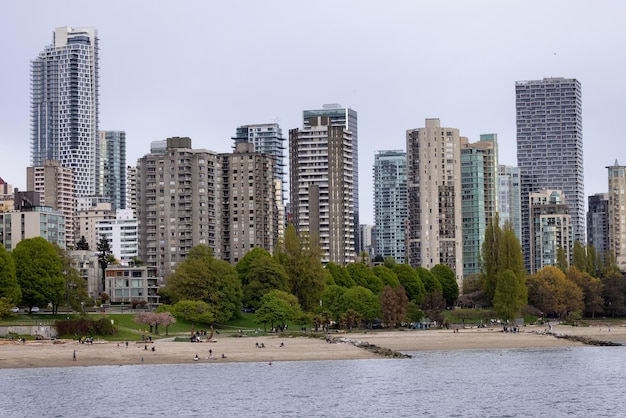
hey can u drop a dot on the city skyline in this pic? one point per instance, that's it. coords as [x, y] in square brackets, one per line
[184, 72]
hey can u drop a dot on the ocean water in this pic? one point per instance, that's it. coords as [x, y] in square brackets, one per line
[547, 382]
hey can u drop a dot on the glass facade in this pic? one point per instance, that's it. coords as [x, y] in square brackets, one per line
[390, 204]
[64, 106]
[550, 148]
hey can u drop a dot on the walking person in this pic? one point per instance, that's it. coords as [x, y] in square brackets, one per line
[74, 356]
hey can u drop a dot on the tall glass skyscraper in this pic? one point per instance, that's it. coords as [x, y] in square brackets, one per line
[479, 189]
[390, 204]
[112, 168]
[64, 106]
[550, 148]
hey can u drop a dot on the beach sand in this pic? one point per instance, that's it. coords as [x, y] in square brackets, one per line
[60, 353]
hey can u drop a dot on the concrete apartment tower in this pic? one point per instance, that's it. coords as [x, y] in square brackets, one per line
[179, 203]
[479, 188]
[617, 213]
[55, 185]
[550, 148]
[112, 168]
[390, 204]
[64, 106]
[434, 228]
[509, 201]
[347, 119]
[267, 138]
[321, 178]
[249, 210]
[550, 228]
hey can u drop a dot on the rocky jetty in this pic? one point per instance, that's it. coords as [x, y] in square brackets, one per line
[587, 340]
[373, 348]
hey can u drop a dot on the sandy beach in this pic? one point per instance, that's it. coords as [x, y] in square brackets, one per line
[60, 353]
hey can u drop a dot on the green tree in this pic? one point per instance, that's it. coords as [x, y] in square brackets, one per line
[38, 270]
[431, 283]
[340, 275]
[511, 295]
[413, 312]
[9, 286]
[194, 311]
[363, 301]
[277, 308]
[561, 260]
[472, 283]
[200, 277]
[390, 262]
[364, 276]
[75, 294]
[332, 301]
[301, 257]
[594, 264]
[264, 275]
[614, 294]
[449, 286]
[104, 258]
[579, 256]
[5, 307]
[243, 265]
[387, 275]
[491, 256]
[501, 251]
[409, 278]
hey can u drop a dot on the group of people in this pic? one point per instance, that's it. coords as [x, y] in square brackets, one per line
[210, 357]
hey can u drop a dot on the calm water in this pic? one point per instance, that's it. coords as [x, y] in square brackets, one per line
[581, 381]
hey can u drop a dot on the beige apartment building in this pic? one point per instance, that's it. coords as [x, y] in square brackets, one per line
[55, 185]
[179, 203]
[434, 225]
[249, 209]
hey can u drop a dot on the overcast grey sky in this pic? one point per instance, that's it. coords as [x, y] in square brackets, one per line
[202, 68]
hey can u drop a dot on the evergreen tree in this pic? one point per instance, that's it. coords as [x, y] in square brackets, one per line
[510, 296]
[104, 258]
[579, 259]
[82, 244]
[561, 260]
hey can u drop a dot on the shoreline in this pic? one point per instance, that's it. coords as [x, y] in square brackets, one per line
[59, 353]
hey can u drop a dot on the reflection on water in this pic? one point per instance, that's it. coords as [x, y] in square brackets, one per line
[581, 381]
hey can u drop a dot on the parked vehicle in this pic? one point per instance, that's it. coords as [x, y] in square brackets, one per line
[15, 309]
[34, 309]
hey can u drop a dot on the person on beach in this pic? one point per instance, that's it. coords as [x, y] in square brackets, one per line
[74, 356]
[196, 358]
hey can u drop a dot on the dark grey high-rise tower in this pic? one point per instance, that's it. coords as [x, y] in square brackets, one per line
[550, 147]
[64, 106]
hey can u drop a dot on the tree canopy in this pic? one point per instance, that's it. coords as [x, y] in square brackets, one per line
[201, 277]
[449, 286]
[301, 257]
[38, 270]
[9, 286]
